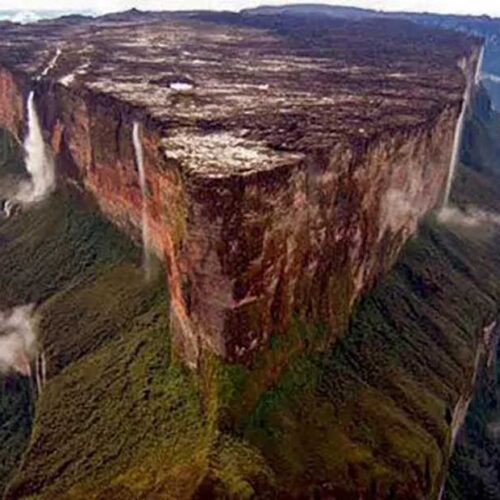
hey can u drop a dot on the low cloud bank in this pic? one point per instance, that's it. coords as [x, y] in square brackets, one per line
[469, 217]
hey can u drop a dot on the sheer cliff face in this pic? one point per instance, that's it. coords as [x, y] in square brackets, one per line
[283, 174]
[11, 104]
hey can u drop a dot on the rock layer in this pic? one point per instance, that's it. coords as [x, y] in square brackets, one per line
[286, 162]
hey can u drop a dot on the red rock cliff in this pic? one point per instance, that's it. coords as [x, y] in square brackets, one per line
[283, 175]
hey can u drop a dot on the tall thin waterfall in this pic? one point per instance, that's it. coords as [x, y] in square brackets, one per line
[39, 163]
[457, 142]
[477, 78]
[38, 158]
[40, 372]
[139, 160]
[457, 139]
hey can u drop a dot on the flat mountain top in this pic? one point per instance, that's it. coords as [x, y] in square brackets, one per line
[235, 93]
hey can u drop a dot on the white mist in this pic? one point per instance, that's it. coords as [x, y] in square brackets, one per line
[18, 345]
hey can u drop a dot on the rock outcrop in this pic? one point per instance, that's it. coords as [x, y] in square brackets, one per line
[286, 162]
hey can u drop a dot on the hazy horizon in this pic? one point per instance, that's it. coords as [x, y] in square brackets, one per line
[481, 7]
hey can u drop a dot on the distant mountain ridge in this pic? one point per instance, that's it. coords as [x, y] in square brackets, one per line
[23, 16]
[323, 9]
[351, 11]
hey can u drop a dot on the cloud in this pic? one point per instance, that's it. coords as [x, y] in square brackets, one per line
[470, 217]
[17, 340]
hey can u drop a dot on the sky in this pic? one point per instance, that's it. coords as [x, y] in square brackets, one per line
[491, 7]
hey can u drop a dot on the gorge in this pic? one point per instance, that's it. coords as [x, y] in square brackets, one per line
[277, 195]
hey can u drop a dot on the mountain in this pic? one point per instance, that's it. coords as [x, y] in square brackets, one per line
[335, 11]
[316, 326]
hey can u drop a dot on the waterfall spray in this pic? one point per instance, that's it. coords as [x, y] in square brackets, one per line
[457, 139]
[39, 163]
[139, 159]
[18, 345]
[8, 206]
[20, 351]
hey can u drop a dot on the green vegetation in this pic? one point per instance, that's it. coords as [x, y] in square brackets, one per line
[59, 243]
[118, 417]
[370, 415]
[15, 424]
[475, 464]
[122, 419]
[105, 335]
[51, 251]
[11, 161]
[15, 393]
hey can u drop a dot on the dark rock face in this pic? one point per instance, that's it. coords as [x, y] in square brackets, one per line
[286, 162]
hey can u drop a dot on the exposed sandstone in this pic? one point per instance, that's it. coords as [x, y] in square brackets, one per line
[286, 162]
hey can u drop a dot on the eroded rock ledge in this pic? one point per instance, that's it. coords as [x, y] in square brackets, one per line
[286, 162]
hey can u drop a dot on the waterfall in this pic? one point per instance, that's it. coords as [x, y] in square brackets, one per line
[38, 376]
[477, 77]
[44, 368]
[40, 372]
[457, 139]
[38, 159]
[39, 163]
[457, 142]
[139, 160]
[51, 64]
